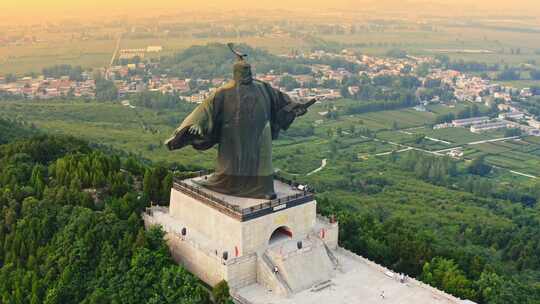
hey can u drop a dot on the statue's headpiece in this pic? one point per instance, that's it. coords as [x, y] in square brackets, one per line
[239, 56]
[242, 69]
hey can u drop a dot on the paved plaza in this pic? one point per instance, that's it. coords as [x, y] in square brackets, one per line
[357, 281]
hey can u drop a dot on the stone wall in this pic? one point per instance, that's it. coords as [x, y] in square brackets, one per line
[214, 225]
[331, 231]
[299, 219]
[241, 271]
[205, 263]
[232, 235]
[208, 268]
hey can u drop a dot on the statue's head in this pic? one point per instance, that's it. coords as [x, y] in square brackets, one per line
[242, 72]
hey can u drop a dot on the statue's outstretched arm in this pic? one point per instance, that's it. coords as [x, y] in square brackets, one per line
[300, 109]
[196, 129]
[285, 110]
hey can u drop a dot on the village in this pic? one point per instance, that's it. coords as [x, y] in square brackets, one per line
[132, 78]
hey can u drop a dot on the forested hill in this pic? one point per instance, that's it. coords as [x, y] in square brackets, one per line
[10, 130]
[71, 232]
[215, 60]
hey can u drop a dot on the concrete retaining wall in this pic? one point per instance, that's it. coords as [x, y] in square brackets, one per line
[214, 225]
[208, 268]
[241, 271]
[331, 232]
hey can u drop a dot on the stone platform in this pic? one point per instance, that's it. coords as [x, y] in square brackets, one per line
[241, 208]
[356, 280]
[282, 190]
[275, 251]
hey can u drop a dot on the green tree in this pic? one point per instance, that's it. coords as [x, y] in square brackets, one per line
[512, 132]
[535, 74]
[445, 274]
[220, 293]
[289, 83]
[478, 166]
[106, 90]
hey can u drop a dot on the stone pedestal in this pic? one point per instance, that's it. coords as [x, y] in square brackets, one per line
[221, 237]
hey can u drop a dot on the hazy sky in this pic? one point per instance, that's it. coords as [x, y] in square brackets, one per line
[25, 9]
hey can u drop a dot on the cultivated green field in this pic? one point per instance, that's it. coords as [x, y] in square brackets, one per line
[459, 136]
[94, 53]
[139, 131]
[482, 41]
[520, 84]
[521, 155]
[142, 131]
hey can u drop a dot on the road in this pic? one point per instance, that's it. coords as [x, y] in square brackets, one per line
[521, 173]
[479, 142]
[438, 140]
[323, 164]
[390, 152]
[405, 147]
[116, 50]
[443, 152]
[492, 140]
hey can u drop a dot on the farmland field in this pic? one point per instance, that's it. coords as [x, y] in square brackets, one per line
[441, 109]
[139, 131]
[482, 42]
[142, 131]
[522, 155]
[95, 53]
[458, 136]
[406, 118]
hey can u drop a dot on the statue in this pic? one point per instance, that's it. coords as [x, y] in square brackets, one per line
[242, 117]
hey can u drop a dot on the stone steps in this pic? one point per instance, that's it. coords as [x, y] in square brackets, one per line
[322, 285]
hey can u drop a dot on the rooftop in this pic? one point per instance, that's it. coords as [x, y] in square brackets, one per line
[245, 208]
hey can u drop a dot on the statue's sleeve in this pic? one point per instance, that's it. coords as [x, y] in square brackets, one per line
[283, 113]
[204, 118]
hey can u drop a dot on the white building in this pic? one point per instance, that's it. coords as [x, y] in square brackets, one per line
[516, 115]
[154, 49]
[469, 121]
[534, 123]
[477, 128]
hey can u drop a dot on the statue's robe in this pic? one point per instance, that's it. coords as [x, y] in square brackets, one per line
[243, 120]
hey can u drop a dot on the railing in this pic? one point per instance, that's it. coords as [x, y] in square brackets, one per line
[325, 220]
[238, 299]
[278, 275]
[235, 211]
[213, 201]
[299, 197]
[331, 255]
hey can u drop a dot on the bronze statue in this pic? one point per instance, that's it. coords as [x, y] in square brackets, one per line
[242, 117]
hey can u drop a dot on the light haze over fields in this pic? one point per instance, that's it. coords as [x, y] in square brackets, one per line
[24, 11]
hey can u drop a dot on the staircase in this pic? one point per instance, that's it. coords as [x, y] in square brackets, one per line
[321, 286]
[278, 277]
[302, 268]
[332, 257]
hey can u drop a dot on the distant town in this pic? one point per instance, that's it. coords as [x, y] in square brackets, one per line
[132, 75]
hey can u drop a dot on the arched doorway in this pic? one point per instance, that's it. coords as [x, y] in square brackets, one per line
[280, 234]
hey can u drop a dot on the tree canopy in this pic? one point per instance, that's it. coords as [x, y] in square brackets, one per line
[71, 231]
